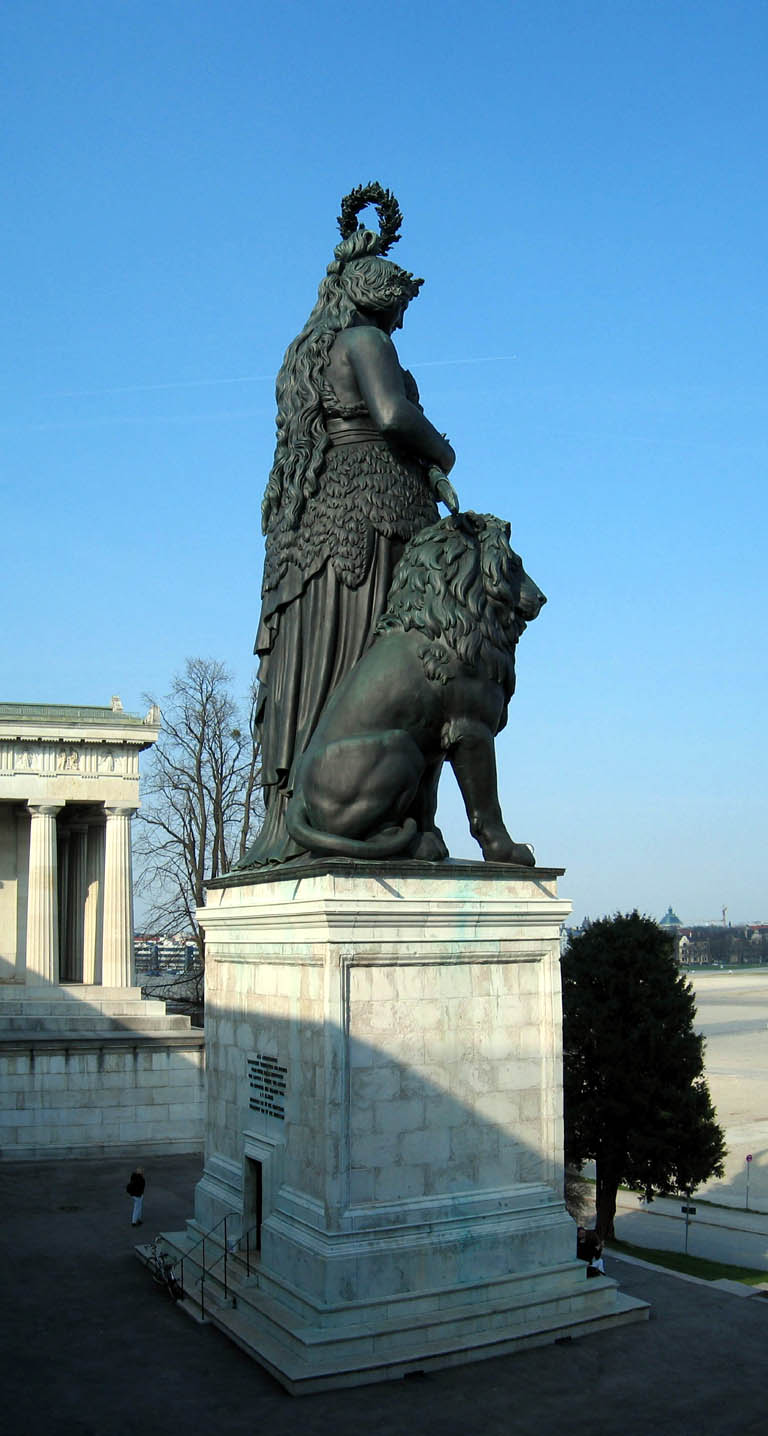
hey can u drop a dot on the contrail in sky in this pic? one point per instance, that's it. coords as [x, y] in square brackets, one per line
[249, 379]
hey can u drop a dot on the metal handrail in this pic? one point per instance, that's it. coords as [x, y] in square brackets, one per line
[201, 1242]
[210, 1233]
[203, 1269]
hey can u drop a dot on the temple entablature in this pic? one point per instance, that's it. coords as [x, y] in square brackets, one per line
[56, 753]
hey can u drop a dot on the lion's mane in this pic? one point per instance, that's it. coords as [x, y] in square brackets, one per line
[458, 583]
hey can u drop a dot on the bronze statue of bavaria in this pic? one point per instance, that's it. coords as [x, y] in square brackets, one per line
[387, 635]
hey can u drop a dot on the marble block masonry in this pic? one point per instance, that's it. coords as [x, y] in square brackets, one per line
[384, 1126]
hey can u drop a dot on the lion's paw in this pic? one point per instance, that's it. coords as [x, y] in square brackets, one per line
[505, 851]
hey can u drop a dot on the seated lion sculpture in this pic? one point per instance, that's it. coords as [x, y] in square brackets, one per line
[434, 684]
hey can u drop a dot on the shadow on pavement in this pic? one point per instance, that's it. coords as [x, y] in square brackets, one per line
[92, 1347]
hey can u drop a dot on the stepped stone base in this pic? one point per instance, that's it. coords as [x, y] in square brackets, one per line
[89, 1071]
[384, 1131]
[387, 1340]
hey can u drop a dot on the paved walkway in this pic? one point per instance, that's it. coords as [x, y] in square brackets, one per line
[91, 1347]
[725, 1234]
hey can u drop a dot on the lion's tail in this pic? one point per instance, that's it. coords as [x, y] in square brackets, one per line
[383, 846]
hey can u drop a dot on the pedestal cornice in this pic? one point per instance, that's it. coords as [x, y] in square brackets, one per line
[432, 904]
[340, 868]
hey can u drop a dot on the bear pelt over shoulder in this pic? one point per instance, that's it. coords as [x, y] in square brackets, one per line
[434, 684]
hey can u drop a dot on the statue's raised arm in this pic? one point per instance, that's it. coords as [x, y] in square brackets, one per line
[364, 362]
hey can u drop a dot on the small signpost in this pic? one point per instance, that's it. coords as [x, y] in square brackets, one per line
[689, 1211]
[749, 1163]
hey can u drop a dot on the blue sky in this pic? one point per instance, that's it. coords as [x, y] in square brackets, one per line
[583, 186]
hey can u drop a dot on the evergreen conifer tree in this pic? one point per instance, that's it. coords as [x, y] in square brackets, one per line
[636, 1101]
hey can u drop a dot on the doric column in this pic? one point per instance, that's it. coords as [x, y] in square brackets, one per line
[117, 961]
[94, 901]
[42, 899]
[78, 857]
[62, 861]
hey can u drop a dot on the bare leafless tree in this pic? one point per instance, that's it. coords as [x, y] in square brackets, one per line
[200, 796]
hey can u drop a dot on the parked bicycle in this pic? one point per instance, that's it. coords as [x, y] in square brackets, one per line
[162, 1270]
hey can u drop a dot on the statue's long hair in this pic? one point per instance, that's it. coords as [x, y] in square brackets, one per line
[357, 280]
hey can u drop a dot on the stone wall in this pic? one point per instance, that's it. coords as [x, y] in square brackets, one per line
[87, 1099]
[446, 1086]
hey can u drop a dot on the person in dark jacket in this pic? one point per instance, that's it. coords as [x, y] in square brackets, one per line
[589, 1248]
[135, 1189]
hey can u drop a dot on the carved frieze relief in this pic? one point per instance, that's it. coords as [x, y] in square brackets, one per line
[68, 760]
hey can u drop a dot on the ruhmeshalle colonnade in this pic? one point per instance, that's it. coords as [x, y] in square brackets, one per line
[88, 1066]
[69, 787]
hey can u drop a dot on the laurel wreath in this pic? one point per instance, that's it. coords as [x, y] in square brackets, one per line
[387, 208]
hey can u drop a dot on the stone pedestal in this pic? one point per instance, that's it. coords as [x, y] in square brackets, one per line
[384, 1117]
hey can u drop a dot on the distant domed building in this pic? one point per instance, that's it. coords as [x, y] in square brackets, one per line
[670, 919]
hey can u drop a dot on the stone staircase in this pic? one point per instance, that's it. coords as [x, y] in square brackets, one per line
[78, 1010]
[213, 1277]
[307, 1353]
